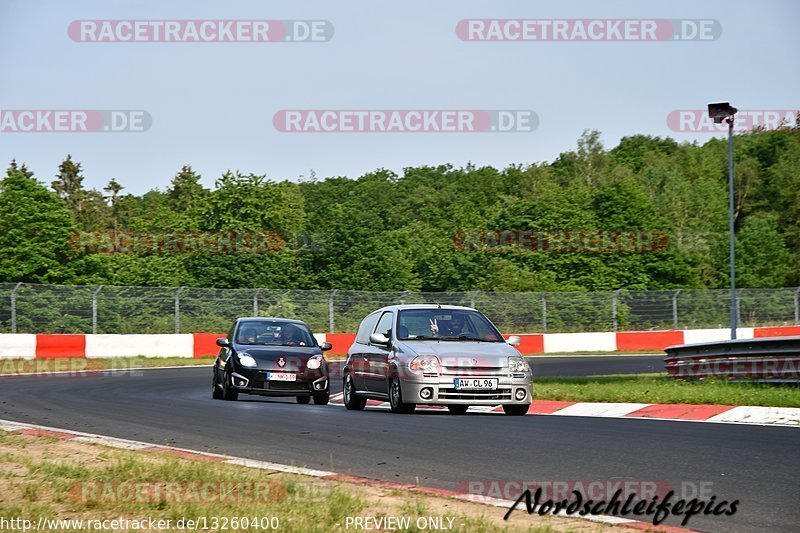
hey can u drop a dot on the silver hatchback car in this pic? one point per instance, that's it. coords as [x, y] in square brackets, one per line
[435, 355]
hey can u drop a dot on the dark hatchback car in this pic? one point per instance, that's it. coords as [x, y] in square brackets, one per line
[271, 357]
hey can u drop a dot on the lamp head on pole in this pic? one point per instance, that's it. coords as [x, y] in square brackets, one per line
[720, 111]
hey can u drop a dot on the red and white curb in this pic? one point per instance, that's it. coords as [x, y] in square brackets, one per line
[728, 414]
[115, 442]
[91, 346]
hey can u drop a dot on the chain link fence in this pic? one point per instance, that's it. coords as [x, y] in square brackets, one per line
[31, 308]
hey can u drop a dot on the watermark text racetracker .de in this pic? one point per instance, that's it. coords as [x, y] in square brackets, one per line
[63, 365]
[588, 30]
[404, 120]
[74, 121]
[200, 31]
[698, 121]
[561, 241]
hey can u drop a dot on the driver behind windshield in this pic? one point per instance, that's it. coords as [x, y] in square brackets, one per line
[455, 327]
[291, 336]
[247, 336]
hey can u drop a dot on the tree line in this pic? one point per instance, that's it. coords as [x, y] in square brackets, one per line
[386, 231]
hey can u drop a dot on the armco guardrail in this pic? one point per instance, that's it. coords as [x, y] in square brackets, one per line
[766, 359]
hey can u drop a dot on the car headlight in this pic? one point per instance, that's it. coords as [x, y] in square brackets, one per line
[247, 360]
[427, 364]
[518, 364]
[314, 362]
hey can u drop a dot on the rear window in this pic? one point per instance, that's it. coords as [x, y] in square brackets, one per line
[366, 327]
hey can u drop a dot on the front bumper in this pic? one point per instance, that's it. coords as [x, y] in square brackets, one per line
[253, 381]
[443, 392]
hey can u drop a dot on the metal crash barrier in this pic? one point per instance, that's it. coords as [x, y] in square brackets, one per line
[774, 359]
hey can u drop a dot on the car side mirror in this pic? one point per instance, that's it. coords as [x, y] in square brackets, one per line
[514, 340]
[379, 339]
[326, 346]
[222, 342]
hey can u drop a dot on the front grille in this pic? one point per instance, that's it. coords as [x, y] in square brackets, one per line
[280, 385]
[455, 394]
[474, 371]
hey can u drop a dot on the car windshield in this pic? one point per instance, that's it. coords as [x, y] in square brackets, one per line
[446, 325]
[274, 333]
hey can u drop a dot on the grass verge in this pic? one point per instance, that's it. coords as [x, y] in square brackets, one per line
[657, 388]
[65, 479]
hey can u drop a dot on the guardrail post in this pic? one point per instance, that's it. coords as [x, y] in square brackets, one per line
[614, 307]
[14, 307]
[403, 297]
[797, 306]
[330, 310]
[544, 312]
[178, 310]
[675, 309]
[255, 302]
[94, 309]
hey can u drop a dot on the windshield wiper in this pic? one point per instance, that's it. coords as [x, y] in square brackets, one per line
[421, 338]
[465, 338]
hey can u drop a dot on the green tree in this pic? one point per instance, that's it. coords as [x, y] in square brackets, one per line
[35, 227]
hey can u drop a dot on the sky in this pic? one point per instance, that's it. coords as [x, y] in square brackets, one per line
[212, 105]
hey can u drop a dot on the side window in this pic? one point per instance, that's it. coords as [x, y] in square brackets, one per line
[385, 324]
[366, 327]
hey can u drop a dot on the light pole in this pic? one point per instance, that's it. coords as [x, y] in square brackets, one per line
[718, 112]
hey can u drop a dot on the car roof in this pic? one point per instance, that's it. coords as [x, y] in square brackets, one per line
[270, 319]
[422, 306]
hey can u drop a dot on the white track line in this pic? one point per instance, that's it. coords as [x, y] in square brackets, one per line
[103, 440]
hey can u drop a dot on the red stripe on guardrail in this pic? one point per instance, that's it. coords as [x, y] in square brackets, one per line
[648, 340]
[205, 344]
[56, 346]
[531, 343]
[779, 331]
[341, 342]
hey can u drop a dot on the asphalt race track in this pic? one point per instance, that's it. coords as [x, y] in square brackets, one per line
[582, 365]
[756, 465]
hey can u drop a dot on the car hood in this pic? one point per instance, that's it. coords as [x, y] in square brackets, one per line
[484, 354]
[269, 357]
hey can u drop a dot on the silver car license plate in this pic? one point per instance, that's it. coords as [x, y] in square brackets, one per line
[475, 383]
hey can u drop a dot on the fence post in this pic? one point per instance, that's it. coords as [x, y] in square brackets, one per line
[178, 310]
[403, 297]
[255, 302]
[14, 307]
[675, 309]
[472, 298]
[739, 308]
[797, 306]
[544, 312]
[614, 307]
[94, 309]
[330, 310]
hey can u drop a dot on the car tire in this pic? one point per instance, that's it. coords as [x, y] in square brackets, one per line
[227, 392]
[516, 409]
[396, 398]
[458, 409]
[352, 402]
[303, 399]
[322, 399]
[216, 391]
